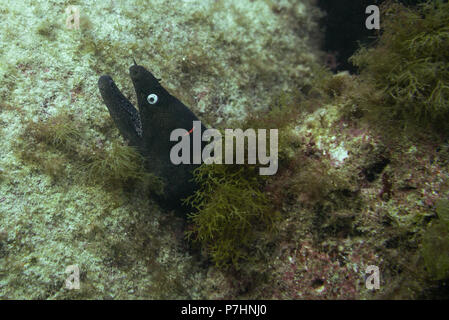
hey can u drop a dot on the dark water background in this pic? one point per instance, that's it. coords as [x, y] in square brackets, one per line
[344, 27]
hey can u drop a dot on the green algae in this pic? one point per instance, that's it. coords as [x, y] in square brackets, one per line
[409, 64]
[435, 251]
[435, 248]
[51, 145]
[117, 166]
[230, 209]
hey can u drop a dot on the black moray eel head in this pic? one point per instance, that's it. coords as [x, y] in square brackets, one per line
[149, 129]
[145, 83]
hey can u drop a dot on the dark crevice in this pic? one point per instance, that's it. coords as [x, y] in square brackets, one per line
[345, 30]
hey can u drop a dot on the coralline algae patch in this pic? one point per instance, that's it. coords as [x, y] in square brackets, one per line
[218, 57]
[339, 154]
[319, 127]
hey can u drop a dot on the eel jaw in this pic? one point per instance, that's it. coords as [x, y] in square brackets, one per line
[122, 111]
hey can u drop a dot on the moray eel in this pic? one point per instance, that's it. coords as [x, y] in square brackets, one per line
[148, 129]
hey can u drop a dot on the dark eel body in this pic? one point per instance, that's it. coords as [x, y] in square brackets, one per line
[148, 129]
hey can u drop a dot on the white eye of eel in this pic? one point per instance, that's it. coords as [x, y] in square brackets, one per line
[152, 98]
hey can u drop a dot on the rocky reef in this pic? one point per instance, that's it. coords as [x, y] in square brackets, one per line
[363, 159]
[71, 191]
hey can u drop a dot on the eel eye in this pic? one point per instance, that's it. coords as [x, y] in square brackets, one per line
[152, 98]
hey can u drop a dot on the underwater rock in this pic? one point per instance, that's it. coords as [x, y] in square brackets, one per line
[376, 159]
[149, 128]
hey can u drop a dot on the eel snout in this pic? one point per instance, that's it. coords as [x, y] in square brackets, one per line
[105, 83]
